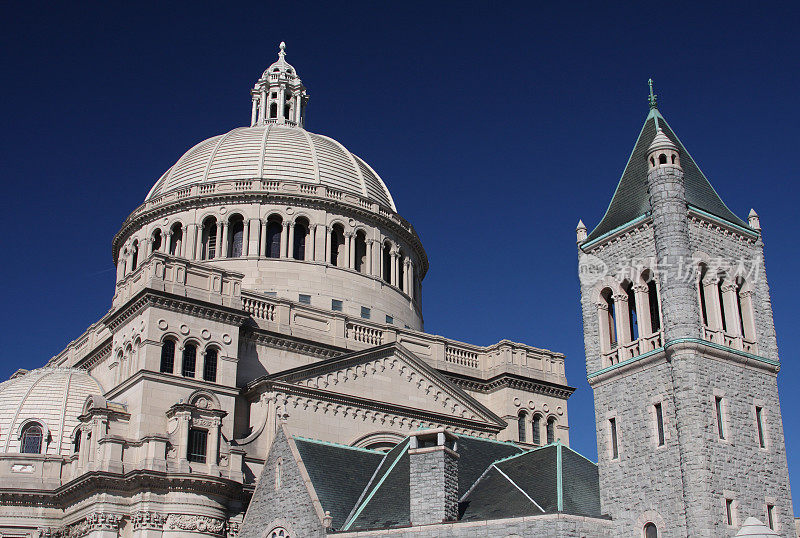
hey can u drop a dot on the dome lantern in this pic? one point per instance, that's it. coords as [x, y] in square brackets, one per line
[279, 95]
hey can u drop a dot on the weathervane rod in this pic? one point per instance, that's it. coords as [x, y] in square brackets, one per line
[653, 99]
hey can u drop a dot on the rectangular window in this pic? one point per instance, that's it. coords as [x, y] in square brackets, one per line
[389, 320]
[760, 426]
[729, 511]
[196, 451]
[718, 408]
[612, 423]
[336, 305]
[771, 516]
[365, 312]
[660, 423]
[305, 299]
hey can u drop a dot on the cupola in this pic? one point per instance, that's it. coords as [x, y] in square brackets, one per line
[662, 152]
[279, 95]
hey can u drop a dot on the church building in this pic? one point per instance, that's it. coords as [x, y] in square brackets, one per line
[263, 369]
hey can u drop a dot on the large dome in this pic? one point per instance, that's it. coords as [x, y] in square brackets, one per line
[274, 152]
[53, 397]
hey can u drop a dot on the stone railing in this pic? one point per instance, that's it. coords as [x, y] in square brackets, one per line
[162, 272]
[629, 350]
[281, 315]
[257, 185]
[728, 340]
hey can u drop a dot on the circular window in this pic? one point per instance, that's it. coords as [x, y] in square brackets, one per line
[279, 533]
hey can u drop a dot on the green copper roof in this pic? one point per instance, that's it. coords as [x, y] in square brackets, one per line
[631, 200]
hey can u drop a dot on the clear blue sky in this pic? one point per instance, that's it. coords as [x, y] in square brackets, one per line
[513, 119]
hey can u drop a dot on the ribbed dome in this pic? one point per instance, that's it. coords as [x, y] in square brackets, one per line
[278, 152]
[54, 397]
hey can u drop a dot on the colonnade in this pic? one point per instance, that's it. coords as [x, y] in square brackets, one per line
[726, 306]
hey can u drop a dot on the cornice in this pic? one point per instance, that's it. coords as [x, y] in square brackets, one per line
[284, 342]
[507, 380]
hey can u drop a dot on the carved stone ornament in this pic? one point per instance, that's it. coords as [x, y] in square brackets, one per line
[233, 529]
[147, 520]
[187, 522]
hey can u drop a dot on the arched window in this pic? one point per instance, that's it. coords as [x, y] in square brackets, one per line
[135, 255]
[189, 360]
[662, 159]
[168, 356]
[209, 249]
[551, 430]
[176, 238]
[300, 233]
[210, 365]
[156, 242]
[237, 236]
[652, 299]
[608, 324]
[279, 533]
[650, 531]
[702, 293]
[387, 262]
[31, 439]
[632, 315]
[401, 271]
[274, 229]
[76, 442]
[273, 110]
[721, 305]
[536, 428]
[361, 252]
[522, 427]
[337, 246]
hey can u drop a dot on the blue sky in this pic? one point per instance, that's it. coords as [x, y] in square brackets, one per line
[495, 125]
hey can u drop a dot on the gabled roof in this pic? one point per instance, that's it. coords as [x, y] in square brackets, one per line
[631, 201]
[550, 479]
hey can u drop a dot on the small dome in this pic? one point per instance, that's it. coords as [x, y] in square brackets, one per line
[275, 152]
[661, 141]
[53, 397]
[281, 66]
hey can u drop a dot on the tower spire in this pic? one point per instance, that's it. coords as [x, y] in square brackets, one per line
[653, 98]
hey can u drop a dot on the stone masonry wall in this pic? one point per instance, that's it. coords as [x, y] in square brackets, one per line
[434, 486]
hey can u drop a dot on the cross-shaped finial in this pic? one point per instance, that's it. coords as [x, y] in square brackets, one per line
[653, 99]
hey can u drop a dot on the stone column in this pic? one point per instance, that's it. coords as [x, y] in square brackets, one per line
[189, 239]
[290, 241]
[184, 418]
[263, 242]
[246, 237]
[731, 309]
[713, 307]
[623, 319]
[298, 103]
[264, 104]
[394, 256]
[311, 235]
[349, 251]
[285, 240]
[212, 456]
[643, 310]
[410, 273]
[168, 242]
[328, 233]
[223, 241]
[370, 249]
[254, 113]
[218, 246]
[281, 101]
[198, 251]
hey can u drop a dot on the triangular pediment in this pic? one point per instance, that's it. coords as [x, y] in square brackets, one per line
[392, 375]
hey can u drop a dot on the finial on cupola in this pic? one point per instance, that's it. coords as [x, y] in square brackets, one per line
[653, 98]
[753, 220]
[282, 51]
[580, 232]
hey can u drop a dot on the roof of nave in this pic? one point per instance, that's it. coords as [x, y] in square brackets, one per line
[52, 396]
[631, 199]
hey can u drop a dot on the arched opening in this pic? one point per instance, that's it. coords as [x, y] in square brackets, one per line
[662, 159]
[236, 225]
[608, 323]
[300, 234]
[287, 111]
[401, 271]
[361, 252]
[176, 239]
[633, 320]
[652, 161]
[76, 442]
[189, 360]
[273, 110]
[387, 262]
[650, 531]
[652, 301]
[702, 293]
[210, 365]
[134, 255]
[274, 230]
[536, 429]
[522, 427]
[551, 430]
[673, 159]
[209, 239]
[32, 438]
[156, 240]
[721, 304]
[337, 246]
[167, 357]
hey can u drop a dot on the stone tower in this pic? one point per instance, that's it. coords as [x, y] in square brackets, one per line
[681, 353]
